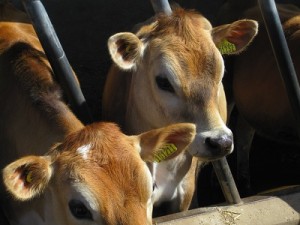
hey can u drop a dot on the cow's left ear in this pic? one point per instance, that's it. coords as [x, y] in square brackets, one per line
[125, 49]
[27, 177]
[165, 143]
[235, 37]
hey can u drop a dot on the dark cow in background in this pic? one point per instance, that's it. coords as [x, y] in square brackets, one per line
[258, 91]
[92, 174]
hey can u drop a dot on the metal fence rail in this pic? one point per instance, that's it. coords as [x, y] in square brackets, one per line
[57, 58]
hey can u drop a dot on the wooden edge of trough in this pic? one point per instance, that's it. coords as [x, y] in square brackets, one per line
[281, 206]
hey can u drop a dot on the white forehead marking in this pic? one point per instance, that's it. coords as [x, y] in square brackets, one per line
[84, 150]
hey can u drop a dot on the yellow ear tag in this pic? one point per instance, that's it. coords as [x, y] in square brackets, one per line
[29, 177]
[226, 47]
[127, 49]
[164, 152]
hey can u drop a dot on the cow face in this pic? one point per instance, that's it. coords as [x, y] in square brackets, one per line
[177, 75]
[97, 175]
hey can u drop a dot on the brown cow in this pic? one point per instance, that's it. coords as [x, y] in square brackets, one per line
[95, 174]
[258, 90]
[171, 70]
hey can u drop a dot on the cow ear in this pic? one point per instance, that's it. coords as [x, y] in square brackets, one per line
[126, 49]
[235, 37]
[27, 177]
[167, 142]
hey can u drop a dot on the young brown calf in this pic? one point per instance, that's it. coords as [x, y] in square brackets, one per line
[171, 71]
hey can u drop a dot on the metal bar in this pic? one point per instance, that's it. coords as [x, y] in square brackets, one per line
[161, 6]
[226, 181]
[282, 55]
[57, 58]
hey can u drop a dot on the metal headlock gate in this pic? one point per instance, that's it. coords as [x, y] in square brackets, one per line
[63, 71]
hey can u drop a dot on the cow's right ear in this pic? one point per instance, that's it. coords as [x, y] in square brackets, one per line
[27, 177]
[126, 49]
[235, 37]
[165, 143]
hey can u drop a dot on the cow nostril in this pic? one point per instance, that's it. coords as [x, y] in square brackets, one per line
[223, 142]
[211, 143]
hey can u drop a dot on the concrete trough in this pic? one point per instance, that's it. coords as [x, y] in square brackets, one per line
[280, 207]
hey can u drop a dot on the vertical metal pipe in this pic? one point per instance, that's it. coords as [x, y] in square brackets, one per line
[282, 55]
[226, 181]
[161, 6]
[57, 58]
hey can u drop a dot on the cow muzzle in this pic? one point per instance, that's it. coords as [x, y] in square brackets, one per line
[212, 145]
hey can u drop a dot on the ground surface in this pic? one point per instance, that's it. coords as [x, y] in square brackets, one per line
[83, 27]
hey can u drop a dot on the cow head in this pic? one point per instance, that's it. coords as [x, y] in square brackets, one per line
[97, 175]
[177, 69]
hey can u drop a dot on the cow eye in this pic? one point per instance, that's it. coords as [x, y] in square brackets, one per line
[79, 210]
[164, 84]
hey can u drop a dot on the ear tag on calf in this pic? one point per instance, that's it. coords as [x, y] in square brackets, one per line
[127, 49]
[164, 152]
[226, 47]
[29, 177]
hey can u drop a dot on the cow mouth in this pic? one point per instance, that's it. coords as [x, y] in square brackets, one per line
[211, 154]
